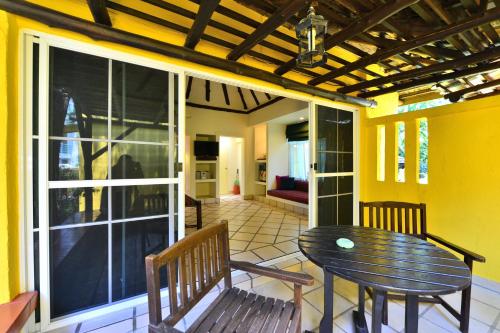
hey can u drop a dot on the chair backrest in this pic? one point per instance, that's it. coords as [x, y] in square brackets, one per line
[197, 263]
[403, 217]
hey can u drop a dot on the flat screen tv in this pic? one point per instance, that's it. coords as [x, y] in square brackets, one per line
[206, 148]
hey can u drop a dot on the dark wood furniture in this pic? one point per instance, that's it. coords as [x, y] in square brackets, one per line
[385, 261]
[191, 202]
[199, 262]
[410, 218]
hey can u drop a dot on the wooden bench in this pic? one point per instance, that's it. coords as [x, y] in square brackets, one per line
[196, 264]
[410, 218]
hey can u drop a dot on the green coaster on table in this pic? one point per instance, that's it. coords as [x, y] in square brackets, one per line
[345, 243]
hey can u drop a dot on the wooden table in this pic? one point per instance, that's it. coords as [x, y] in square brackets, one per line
[387, 262]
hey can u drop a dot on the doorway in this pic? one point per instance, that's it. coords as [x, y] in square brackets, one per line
[231, 176]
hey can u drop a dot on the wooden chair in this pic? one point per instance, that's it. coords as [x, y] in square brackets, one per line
[199, 262]
[410, 218]
[191, 202]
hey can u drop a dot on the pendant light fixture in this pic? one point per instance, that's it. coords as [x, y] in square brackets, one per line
[311, 32]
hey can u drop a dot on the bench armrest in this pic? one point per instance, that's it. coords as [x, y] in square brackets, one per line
[293, 277]
[456, 248]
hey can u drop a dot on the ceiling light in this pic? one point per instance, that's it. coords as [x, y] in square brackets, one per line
[311, 32]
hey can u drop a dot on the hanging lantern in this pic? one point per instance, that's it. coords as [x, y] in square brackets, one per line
[311, 32]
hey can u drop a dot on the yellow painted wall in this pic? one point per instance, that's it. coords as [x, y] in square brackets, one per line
[463, 194]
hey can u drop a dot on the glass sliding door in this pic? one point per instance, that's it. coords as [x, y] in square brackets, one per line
[105, 186]
[333, 170]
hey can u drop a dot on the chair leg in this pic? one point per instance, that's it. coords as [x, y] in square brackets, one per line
[385, 312]
[465, 305]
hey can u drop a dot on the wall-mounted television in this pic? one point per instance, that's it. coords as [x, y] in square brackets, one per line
[206, 148]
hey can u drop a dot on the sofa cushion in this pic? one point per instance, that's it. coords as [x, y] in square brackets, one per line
[278, 181]
[287, 183]
[292, 195]
[302, 185]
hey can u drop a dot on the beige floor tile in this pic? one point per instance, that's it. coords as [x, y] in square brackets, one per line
[246, 256]
[271, 225]
[290, 226]
[281, 239]
[248, 229]
[268, 252]
[256, 245]
[340, 304]
[311, 317]
[287, 247]
[290, 233]
[237, 245]
[122, 326]
[243, 236]
[268, 231]
[264, 238]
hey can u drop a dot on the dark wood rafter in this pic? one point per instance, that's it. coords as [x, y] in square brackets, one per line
[479, 69]
[207, 7]
[488, 54]
[473, 8]
[189, 86]
[361, 25]
[226, 95]
[268, 96]
[99, 12]
[256, 100]
[240, 92]
[266, 104]
[456, 95]
[207, 90]
[272, 23]
[442, 33]
[214, 108]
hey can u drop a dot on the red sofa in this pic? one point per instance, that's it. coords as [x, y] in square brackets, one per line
[299, 194]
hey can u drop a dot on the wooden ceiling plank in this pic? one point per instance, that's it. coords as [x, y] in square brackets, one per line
[268, 96]
[214, 108]
[207, 90]
[456, 95]
[99, 12]
[189, 86]
[442, 33]
[240, 92]
[205, 11]
[358, 26]
[280, 16]
[226, 95]
[488, 54]
[473, 7]
[479, 69]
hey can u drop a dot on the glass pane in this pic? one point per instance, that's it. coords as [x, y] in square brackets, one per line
[36, 270]
[327, 186]
[327, 162]
[345, 204]
[423, 151]
[140, 103]
[135, 161]
[345, 162]
[35, 183]
[345, 130]
[78, 101]
[327, 211]
[345, 184]
[77, 160]
[36, 64]
[132, 242]
[77, 205]
[79, 269]
[400, 152]
[327, 129]
[139, 201]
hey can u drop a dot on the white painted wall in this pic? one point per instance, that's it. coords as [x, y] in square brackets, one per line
[277, 157]
[202, 121]
[230, 163]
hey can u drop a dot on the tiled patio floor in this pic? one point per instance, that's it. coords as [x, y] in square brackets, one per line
[259, 233]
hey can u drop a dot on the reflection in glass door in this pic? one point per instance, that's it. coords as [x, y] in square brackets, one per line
[109, 181]
[333, 174]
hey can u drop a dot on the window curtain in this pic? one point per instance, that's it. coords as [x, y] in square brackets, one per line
[298, 152]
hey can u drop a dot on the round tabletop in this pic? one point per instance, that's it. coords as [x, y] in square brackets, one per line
[386, 260]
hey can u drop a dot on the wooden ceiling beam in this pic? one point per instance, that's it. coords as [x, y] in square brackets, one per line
[103, 33]
[442, 33]
[488, 54]
[358, 26]
[207, 90]
[270, 102]
[240, 92]
[214, 108]
[479, 69]
[205, 11]
[256, 100]
[189, 86]
[226, 95]
[473, 8]
[99, 12]
[456, 95]
[280, 16]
